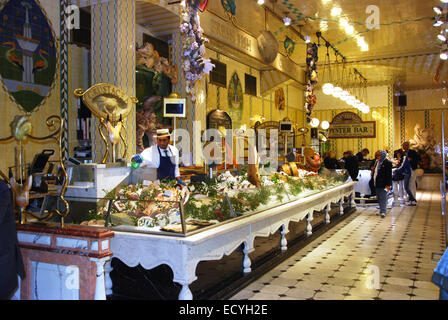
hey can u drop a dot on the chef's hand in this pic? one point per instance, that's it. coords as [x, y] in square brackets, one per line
[137, 158]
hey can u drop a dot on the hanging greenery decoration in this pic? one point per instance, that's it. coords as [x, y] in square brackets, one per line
[194, 65]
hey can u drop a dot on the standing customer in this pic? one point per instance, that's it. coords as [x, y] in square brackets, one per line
[382, 178]
[398, 178]
[414, 159]
[406, 170]
[11, 263]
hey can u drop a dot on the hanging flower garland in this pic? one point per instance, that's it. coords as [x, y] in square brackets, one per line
[194, 62]
[311, 73]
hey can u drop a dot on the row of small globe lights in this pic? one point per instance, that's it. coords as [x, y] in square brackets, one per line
[344, 95]
[328, 88]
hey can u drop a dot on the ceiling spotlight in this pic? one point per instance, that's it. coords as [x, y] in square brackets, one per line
[444, 55]
[441, 37]
[437, 10]
[260, 2]
[349, 29]
[365, 47]
[287, 21]
[323, 26]
[336, 12]
[444, 1]
[307, 39]
[438, 23]
[343, 23]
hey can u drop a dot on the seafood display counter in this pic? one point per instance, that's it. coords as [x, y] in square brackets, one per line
[156, 223]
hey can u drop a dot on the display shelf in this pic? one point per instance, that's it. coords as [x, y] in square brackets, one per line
[158, 208]
[182, 254]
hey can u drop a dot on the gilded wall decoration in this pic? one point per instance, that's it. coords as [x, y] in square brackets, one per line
[28, 53]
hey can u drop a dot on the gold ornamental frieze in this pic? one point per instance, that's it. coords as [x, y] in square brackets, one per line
[107, 101]
[111, 106]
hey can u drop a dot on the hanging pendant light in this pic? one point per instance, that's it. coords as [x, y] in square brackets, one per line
[344, 95]
[337, 89]
[350, 100]
[337, 92]
[328, 87]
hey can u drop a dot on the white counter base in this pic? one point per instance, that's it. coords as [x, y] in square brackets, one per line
[182, 255]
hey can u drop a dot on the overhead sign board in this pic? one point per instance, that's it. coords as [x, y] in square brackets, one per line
[350, 125]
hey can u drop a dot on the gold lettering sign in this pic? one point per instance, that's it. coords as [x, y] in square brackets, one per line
[228, 34]
[223, 32]
[107, 101]
[350, 125]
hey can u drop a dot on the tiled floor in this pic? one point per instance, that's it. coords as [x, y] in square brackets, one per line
[364, 257]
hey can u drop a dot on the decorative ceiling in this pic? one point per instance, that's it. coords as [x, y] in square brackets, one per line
[158, 17]
[404, 49]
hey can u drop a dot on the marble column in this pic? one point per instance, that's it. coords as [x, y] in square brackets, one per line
[113, 61]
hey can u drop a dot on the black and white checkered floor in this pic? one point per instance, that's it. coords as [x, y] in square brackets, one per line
[365, 257]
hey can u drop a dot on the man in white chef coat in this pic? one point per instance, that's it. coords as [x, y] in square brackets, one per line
[163, 156]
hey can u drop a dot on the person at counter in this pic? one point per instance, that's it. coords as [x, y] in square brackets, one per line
[362, 155]
[406, 170]
[351, 165]
[162, 156]
[330, 161]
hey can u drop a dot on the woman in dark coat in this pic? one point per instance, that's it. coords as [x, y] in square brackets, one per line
[11, 263]
[382, 179]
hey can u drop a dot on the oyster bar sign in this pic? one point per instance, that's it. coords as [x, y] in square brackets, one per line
[350, 125]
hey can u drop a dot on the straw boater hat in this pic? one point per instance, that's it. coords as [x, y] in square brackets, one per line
[163, 133]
